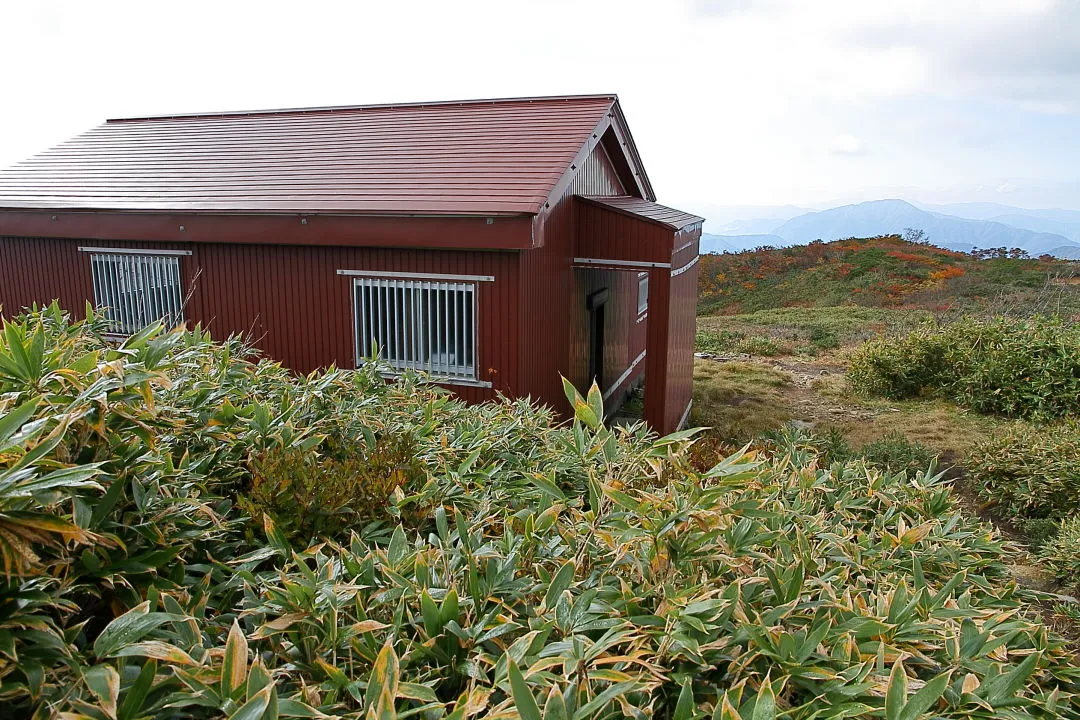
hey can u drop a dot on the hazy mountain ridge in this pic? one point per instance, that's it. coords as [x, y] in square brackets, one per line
[987, 225]
[737, 243]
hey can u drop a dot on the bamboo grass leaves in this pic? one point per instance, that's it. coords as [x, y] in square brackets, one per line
[520, 569]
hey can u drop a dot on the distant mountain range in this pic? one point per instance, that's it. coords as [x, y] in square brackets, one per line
[961, 227]
[736, 243]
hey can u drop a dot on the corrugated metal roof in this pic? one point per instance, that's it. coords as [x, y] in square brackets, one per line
[660, 214]
[460, 158]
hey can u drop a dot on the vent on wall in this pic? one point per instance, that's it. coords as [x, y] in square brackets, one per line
[137, 290]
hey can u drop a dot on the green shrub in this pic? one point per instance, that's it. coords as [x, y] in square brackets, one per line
[1062, 554]
[1017, 368]
[724, 341]
[759, 345]
[1028, 368]
[717, 341]
[896, 453]
[1036, 531]
[834, 447]
[903, 367]
[824, 338]
[325, 494]
[893, 453]
[1029, 472]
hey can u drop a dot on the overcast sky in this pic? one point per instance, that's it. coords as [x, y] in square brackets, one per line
[730, 101]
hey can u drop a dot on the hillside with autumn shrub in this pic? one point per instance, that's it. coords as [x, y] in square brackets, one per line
[908, 356]
[885, 271]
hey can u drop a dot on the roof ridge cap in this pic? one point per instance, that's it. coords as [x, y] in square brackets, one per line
[374, 106]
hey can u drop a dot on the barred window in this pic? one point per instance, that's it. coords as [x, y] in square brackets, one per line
[136, 289]
[417, 324]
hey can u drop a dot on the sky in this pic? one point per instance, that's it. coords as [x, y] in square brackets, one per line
[731, 102]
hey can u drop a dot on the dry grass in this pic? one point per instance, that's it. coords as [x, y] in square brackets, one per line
[742, 399]
[935, 423]
[739, 400]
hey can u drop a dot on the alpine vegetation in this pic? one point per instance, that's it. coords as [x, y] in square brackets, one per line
[189, 531]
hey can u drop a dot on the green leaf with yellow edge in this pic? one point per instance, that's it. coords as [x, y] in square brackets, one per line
[156, 650]
[430, 613]
[277, 539]
[135, 695]
[450, 609]
[255, 707]
[589, 709]
[13, 420]
[555, 705]
[277, 625]
[258, 678]
[765, 702]
[561, 581]
[234, 665]
[130, 627]
[684, 707]
[104, 683]
[572, 395]
[596, 403]
[926, 697]
[896, 693]
[415, 691]
[292, 708]
[382, 689]
[523, 697]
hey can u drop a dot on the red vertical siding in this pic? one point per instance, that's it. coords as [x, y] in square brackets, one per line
[682, 329]
[550, 298]
[289, 301]
[608, 235]
[669, 362]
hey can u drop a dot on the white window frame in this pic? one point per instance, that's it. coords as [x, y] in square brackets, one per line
[137, 287]
[643, 297]
[414, 314]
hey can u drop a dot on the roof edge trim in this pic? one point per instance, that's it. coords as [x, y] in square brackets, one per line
[621, 126]
[374, 106]
[257, 214]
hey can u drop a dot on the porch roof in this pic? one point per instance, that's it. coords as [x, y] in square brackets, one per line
[645, 210]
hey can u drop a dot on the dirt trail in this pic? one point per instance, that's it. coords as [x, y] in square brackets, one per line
[817, 390]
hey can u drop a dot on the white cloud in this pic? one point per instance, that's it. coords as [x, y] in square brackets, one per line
[847, 145]
[730, 101]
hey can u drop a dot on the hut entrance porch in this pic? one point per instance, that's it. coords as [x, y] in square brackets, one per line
[646, 257]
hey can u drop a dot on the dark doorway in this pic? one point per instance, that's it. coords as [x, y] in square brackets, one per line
[595, 304]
